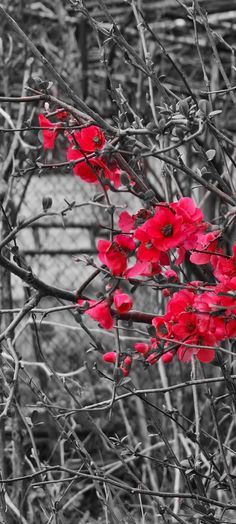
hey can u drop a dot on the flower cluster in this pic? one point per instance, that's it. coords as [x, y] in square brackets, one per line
[149, 237]
[153, 243]
[101, 310]
[198, 317]
[85, 151]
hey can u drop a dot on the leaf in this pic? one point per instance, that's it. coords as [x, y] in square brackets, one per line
[37, 417]
[204, 106]
[215, 113]
[183, 107]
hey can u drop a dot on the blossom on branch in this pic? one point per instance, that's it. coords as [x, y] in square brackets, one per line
[49, 135]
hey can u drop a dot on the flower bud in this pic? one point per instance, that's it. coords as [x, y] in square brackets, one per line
[110, 357]
[125, 366]
[152, 359]
[142, 347]
[46, 203]
[167, 357]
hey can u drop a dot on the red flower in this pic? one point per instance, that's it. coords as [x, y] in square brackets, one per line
[192, 216]
[181, 302]
[146, 269]
[185, 353]
[164, 230]
[49, 135]
[148, 253]
[90, 138]
[122, 302]
[125, 366]
[224, 268]
[83, 143]
[187, 208]
[62, 115]
[87, 170]
[206, 245]
[98, 311]
[126, 221]
[163, 327]
[185, 326]
[114, 254]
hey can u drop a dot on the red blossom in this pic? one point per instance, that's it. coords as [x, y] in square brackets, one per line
[114, 254]
[204, 247]
[125, 366]
[165, 229]
[162, 326]
[126, 221]
[224, 267]
[62, 115]
[82, 143]
[87, 170]
[49, 135]
[185, 326]
[171, 275]
[146, 252]
[146, 269]
[98, 311]
[187, 208]
[122, 302]
[182, 301]
[129, 222]
[185, 353]
[90, 138]
[193, 224]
